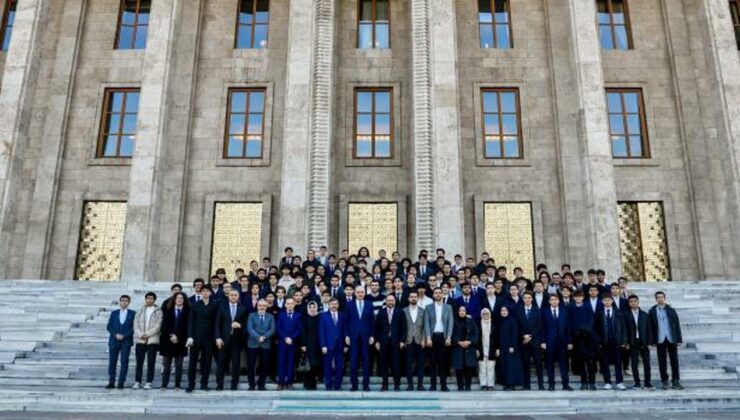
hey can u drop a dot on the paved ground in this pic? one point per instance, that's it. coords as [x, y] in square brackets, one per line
[97, 416]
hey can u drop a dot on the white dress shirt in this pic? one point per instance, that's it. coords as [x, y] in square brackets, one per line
[438, 327]
[122, 314]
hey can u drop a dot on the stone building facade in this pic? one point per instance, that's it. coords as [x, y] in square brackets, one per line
[64, 58]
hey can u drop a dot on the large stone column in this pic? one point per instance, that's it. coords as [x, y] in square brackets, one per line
[295, 178]
[588, 189]
[41, 218]
[16, 97]
[147, 165]
[438, 180]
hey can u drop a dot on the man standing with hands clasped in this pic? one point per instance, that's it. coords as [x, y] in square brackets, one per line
[230, 322]
[438, 324]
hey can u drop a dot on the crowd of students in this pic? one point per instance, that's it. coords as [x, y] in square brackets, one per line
[300, 320]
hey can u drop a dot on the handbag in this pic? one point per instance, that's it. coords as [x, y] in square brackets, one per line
[303, 364]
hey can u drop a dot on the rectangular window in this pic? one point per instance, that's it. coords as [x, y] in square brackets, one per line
[508, 235]
[642, 240]
[133, 24]
[614, 24]
[374, 24]
[101, 241]
[502, 138]
[252, 23]
[494, 24]
[7, 25]
[627, 127]
[245, 123]
[118, 125]
[373, 135]
[373, 225]
[237, 235]
[735, 13]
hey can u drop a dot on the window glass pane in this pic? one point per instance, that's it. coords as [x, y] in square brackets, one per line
[502, 17]
[493, 148]
[604, 19]
[633, 124]
[381, 10]
[244, 37]
[490, 102]
[616, 123]
[365, 36]
[255, 124]
[364, 124]
[238, 102]
[366, 10]
[260, 36]
[236, 124]
[486, 36]
[6, 39]
[614, 102]
[141, 34]
[235, 148]
[126, 37]
[382, 102]
[246, 7]
[114, 123]
[127, 146]
[484, 6]
[605, 36]
[364, 101]
[491, 124]
[636, 146]
[502, 36]
[256, 102]
[143, 16]
[511, 147]
[510, 126]
[111, 142]
[263, 14]
[116, 102]
[508, 102]
[132, 102]
[630, 102]
[128, 17]
[254, 148]
[622, 42]
[363, 146]
[129, 124]
[383, 124]
[383, 147]
[619, 147]
[382, 36]
[618, 18]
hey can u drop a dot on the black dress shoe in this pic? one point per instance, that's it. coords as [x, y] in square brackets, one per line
[219, 387]
[541, 387]
[567, 388]
[420, 387]
[354, 389]
[433, 388]
[120, 386]
[205, 388]
[234, 388]
[364, 388]
[251, 387]
[396, 388]
[592, 387]
[583, 387]
[384, 388]
[445, 389]
[110, 386]
[262, 388]
[409, 387]
[189, 389]
[551, 388]
[527, 387]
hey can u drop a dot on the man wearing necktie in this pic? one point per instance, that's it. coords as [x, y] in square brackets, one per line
[531, 326]
[331, 340]
[288, 331]
[468, 301]
[359, 337]
[610, 327]
[390, 338]
[230, 320]
[260, 329]
[556, 342]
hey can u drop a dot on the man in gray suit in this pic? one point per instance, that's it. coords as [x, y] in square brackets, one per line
[260, 329]
[438, 325]
[415, 341]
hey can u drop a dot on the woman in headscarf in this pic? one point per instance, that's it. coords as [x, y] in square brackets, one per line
[486, 351]
[310, 344]
[464, 343]
[508, 350]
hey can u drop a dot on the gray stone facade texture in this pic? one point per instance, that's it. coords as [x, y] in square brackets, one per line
[61, 59]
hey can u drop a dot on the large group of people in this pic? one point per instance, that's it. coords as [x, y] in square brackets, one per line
[316, 319]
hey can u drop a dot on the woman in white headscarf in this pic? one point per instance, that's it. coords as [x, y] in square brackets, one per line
[486, 352]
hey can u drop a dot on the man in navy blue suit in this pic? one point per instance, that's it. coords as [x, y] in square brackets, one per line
[331, 334]
[359, 337]
[470, 302]
[121, 330]
[288, 331]
[530, 321]
[556, 341]
[390, 338]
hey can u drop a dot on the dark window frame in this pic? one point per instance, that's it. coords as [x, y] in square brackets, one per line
[10, 6]
[493, 25]
[135, 26]
[642, 115]
[104, 132]
[373, 24]
[373, 114]
[612, 25]
[252, 25]
[501, 136]
[735, 16]
[244, 134]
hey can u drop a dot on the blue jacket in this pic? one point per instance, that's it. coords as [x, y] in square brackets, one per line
[555, 332]
[332, 336]
[472, 308]
[359, 328]
[126, 329]
[287, 327]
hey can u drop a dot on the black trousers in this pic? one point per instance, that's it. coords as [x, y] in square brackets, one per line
[439, 363]
[229, 356]
[531, 351]
[204, 353]
[611, 352]
[464, 378]
[414, 358]
[671, 349]
[252, 356]
[150, 352]
[167, 369]
[389, 355]
[586, 365]
[638, 351]
[309, 378]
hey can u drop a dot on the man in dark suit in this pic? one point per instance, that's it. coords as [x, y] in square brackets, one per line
[331, 339]
[470, 302]
[667, 337]
[491, 301]
[556, 342]
[201, 322]
[585, 341]
[359, 337]
[231, 318]
[260, 329]
[594, 301]
[423, 268]
[121, 338]
[390, 339]
[610, 329]
[639, 339]
[198, 285]
[288, 331]
[530, 321]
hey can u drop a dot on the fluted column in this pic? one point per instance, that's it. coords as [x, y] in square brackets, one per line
[16, 97]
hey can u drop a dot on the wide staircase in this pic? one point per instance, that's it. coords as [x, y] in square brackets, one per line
[53, 358]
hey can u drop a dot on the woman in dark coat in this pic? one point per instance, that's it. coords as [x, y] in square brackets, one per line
[509, 351]
[464, 345]
[173, 335]
[310, 344]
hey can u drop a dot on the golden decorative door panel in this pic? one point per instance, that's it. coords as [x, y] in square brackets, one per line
[237, 236]
[373, 225]
[508, 236]
[101, 241]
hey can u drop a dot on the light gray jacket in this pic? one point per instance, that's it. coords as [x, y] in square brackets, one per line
[430, 318]
[155, 325]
